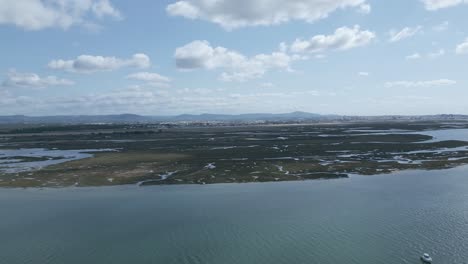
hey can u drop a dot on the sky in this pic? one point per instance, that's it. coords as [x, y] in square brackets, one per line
[169, 57]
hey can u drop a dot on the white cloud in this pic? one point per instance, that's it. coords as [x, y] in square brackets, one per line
[141, 100]
[236, 66]
[41, 14]
[283, 47]
[150, 78]
[231, 14]
[442, 26]
[365, 9]
[436, 54]
[16, 79]
[104, 8]
[10, 104]
[414, 56]
[196, 91]
[417, 84]
[267, 85]
[433, 5]
[430, 55]
[320, 56]
[343, 38]
[462, 48]
[404, 33]
[364, 74]
[90, 64]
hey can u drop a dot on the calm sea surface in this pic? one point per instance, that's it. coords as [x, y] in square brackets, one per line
[377, 219]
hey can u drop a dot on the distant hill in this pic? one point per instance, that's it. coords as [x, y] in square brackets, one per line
[254, 117]
[131, 118]
[250, 117]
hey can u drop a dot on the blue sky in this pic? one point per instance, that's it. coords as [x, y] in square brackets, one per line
[354, 57]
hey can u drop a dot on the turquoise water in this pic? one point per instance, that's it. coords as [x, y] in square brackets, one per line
[378, 219]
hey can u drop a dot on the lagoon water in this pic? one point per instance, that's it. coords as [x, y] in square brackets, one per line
[446, 134]
[378, 219]
[11, 160]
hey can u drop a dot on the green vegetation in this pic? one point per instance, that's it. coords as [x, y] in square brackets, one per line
[162, 154]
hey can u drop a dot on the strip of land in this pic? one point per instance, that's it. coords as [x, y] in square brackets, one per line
[153, 154]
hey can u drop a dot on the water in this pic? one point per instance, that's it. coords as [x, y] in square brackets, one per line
[378, 219]
[437, 135]
[11, 160]
[446, 134]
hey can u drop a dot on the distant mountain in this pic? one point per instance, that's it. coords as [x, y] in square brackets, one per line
[131, 118]
[254, 117]
[249, 117]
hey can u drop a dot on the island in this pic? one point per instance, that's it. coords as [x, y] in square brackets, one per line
[163, 153]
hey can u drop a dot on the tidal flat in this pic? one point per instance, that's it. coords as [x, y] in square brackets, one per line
[158, 154]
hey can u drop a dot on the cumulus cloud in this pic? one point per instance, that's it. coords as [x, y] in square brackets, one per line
[91, 64]
[104, 8]
[407, 32]
[237, 67]
[150, 78]
[433, 5]
[16, 79]
[462, 48]
[232, 14]
[344, 38]
[418, 84]
[41, 14]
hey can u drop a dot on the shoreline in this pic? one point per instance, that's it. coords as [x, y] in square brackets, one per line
[136, 186]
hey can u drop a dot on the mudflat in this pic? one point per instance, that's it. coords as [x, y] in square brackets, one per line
[154, 154]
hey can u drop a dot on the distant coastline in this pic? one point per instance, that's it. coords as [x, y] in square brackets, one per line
[301, 117]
